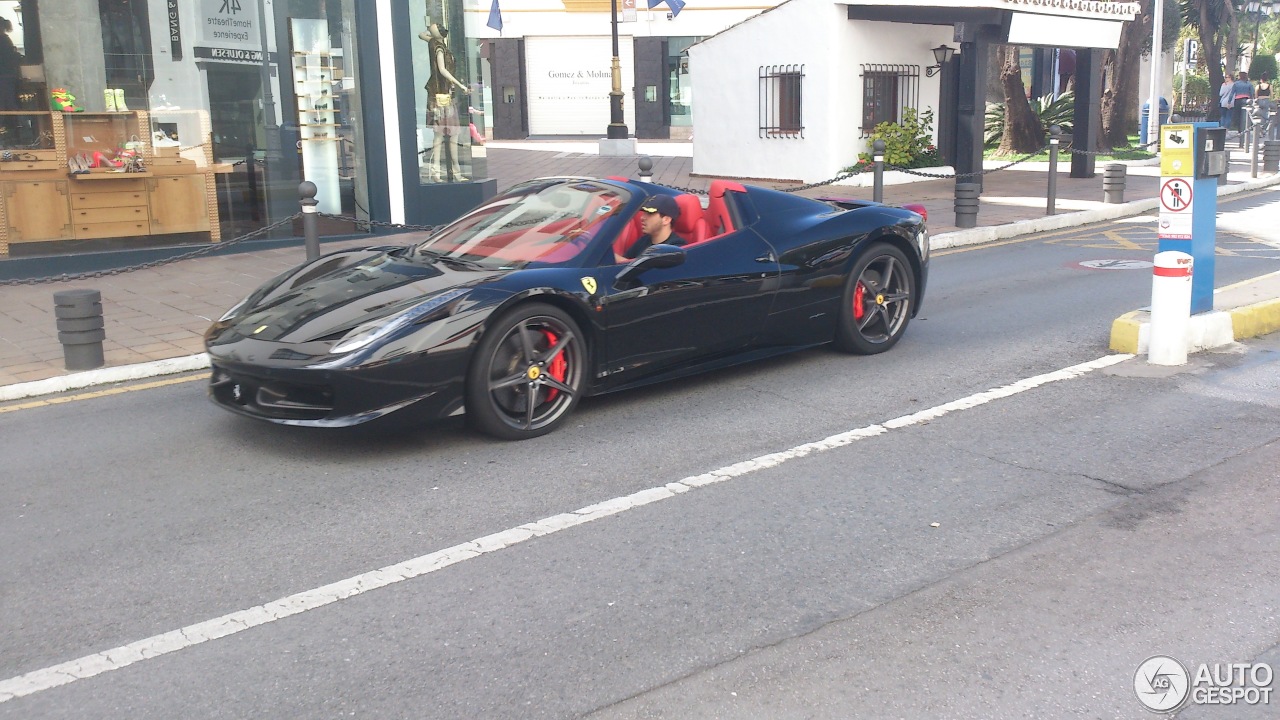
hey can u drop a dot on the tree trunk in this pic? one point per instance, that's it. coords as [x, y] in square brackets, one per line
[1120, 100]
[1022, 131]
[1233, 44]
[1212, 55]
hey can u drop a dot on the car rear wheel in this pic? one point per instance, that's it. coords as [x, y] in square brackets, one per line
[527, 374]
[878, 299]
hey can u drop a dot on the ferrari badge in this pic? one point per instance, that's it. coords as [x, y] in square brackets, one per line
[590, 284]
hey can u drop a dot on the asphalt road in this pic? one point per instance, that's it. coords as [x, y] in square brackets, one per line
[1082, 526]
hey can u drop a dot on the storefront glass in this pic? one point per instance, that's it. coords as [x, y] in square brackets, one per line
[206, 114]
[450, 98]
[680, 81]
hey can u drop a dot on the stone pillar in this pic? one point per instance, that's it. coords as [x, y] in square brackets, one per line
[71, 35]
[652, 116]
[971, 107]
[1087, 129]
[510, 113]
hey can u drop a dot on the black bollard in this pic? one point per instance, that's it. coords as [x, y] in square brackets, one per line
[645, 163]
[1271, 156]
[967, 204]
[307, 191]
[1051, 196]
[80, 328]
[1113, 182]
[877, 157]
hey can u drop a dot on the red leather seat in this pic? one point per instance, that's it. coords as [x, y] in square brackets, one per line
[628, 236]
[719, 219]
[690, 225]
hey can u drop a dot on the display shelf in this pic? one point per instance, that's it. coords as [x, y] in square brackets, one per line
[109, 175]
[314, 78]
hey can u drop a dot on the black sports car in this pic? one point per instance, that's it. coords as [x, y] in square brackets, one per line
[525, 305]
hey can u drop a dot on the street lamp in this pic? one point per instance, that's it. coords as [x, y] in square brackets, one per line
[941, 55]
[1258, 10]
[617, 126]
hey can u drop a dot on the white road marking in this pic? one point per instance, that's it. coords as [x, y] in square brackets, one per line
[230, 624]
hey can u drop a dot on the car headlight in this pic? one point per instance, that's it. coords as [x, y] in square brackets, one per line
[364, 334]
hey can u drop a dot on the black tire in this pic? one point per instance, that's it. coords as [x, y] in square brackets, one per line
[879, 297]
[533, 351]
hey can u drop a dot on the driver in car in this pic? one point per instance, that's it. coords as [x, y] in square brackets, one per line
[658, 212]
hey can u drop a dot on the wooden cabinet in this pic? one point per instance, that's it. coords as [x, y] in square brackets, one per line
[109, 208]
[36, 211]
[49, 195]
[178, 203]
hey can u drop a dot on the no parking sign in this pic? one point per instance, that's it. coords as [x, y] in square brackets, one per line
[1176, 194]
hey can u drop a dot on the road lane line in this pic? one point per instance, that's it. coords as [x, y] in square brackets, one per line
[232, 623]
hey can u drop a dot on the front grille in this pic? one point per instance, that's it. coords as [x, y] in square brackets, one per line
[269, 397]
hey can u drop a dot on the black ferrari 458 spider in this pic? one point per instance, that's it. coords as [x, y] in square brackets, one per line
[525, 305]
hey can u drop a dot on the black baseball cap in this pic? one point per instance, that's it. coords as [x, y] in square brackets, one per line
[661, 204]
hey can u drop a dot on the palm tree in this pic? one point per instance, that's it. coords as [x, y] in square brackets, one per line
[1215, 22]
[1022, 132]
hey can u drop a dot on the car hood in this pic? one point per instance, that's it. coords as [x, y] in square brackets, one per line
[326, 298]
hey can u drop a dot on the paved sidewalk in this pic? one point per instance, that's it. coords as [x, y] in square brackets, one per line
[161, 313]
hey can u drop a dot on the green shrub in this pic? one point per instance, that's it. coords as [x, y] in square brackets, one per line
[1262, 65]
[1048, 110]
[908, 144]
[1197, 95]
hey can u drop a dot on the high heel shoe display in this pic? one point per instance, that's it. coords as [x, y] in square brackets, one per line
[120, 106]
[102, 159]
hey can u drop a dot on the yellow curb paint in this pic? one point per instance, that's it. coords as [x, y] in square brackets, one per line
[98, 394]
[1257, 319]
[1124, 333]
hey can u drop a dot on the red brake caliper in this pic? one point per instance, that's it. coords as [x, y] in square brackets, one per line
[858, 309]
[557, 367]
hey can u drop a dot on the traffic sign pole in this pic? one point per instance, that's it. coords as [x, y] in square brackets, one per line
[1189, 204]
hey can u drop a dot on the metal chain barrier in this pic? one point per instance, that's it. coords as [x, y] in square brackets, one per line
[923, 172]
[212, 247]
[378, 223]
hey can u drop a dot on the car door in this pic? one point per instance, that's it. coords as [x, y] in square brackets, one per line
[713, 303]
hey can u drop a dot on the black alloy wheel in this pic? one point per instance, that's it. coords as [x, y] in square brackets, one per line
[527, 374]
[878, 299]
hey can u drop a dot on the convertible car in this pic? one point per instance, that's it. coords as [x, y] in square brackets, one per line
[525, 305]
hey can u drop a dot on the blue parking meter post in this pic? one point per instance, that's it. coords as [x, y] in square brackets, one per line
[1192, 157]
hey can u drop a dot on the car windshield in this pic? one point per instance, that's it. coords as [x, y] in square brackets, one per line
[543, 221]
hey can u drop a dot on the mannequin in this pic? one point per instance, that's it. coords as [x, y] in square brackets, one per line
[442, 108]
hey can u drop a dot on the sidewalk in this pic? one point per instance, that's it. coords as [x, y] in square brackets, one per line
[161, 314]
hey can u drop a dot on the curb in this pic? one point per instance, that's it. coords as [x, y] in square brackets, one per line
[977, 236]
[104, 376]
[1129, 332]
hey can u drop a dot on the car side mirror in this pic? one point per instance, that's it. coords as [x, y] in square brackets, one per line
[654, 256]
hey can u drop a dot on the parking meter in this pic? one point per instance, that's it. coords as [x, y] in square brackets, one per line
[1192, 158]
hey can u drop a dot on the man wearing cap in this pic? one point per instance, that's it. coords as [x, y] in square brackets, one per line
[658, 212]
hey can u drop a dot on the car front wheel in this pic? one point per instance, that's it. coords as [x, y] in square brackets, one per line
[527, 373]
[878, 300]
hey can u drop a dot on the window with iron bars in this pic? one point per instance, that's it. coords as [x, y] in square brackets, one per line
[887, 90]
[781, 101]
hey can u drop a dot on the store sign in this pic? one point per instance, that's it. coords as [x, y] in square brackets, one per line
[230, 55]
[175, 31]
[229, 24]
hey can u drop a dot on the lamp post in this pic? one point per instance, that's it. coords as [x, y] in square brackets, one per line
[941, 55]
[1157, 48]
[617, 126]
[1259, 10]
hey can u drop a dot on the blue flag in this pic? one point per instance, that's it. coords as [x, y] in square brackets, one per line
[495, 17]
[675, 5]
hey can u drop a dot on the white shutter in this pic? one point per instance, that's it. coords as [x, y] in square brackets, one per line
[569, 81]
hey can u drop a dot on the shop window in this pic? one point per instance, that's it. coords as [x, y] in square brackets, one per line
[449, 72]
[190, 105]
[887, 90]
[781, 101]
